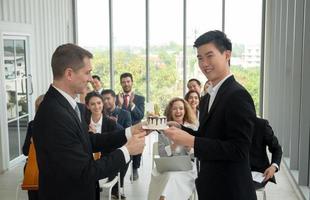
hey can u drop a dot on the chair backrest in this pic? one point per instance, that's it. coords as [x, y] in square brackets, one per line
[31, 175]
[154, 152]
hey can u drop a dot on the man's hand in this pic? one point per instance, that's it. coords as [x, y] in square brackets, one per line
[136, 143]
[92, 128]
[120, 99]
[179, 136]
[138, 128]
[132, 97]
[113, 118]
[174, 124]
[269, 172]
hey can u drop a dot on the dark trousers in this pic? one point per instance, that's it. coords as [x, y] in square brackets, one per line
[122, 175]
[33, 195]
[136, 161]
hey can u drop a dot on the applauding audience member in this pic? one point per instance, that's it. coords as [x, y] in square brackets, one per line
[121, 116]
[134, 104]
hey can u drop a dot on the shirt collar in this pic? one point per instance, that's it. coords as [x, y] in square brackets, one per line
[213, 89]
[67, 96]
[98, 123]
[129, 93]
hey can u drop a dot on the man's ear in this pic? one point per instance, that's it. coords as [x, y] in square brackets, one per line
[228, 54]
[68, 73]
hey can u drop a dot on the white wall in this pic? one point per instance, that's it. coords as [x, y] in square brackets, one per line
[47, 23]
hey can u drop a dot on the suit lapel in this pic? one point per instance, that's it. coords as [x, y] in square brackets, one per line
[218, 98]
[64, 103]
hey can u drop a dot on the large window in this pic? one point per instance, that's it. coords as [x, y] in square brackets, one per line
[158, 47]
[245, 62]
[93, 34]
[197, 24]
[129, 43]
[166, 61]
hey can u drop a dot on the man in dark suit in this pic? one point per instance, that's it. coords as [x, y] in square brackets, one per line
[264, 137]
[222, 142]
[121, 116]
[63, 145]
[96, 83]
[133, 103]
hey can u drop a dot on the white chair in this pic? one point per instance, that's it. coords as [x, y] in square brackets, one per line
[107, 186]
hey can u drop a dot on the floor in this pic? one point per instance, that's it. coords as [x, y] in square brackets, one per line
[10, 180]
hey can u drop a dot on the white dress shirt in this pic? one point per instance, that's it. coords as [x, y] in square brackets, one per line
[212, 90]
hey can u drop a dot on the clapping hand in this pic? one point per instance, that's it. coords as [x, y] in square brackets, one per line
[132, 97]
[113, 118]
[91, 128]
[120, 99]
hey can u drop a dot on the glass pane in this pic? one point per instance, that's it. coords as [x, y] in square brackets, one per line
[245, 61]
[93, 29]
[166, 60]
[20, 58]
[9, 59]
[129, 51]
[11, 102]
[197, 24]
[22, 97]
[13, 139]
[23, 125]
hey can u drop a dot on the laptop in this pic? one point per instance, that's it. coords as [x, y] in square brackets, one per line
[174, 163]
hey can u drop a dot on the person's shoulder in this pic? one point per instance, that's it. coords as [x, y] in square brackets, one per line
[124, 112]
[139, 96]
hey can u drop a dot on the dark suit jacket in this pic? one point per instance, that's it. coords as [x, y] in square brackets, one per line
[222, 144]
[264, 137]
[27, 141]
[64, 151]
[123, 117]
[137, 113]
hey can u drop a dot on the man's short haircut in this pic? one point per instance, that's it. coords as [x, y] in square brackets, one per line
[194, 79]
[108, 91]
[125, 75]
[96, 77]
[91, 95]
[218, 38]
[68, 55]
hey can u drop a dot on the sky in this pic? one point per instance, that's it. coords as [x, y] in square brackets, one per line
[243, 21]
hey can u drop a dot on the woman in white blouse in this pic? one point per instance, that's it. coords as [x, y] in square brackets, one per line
[174, 184]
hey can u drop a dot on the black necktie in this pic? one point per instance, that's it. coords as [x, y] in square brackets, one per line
[207, 103]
